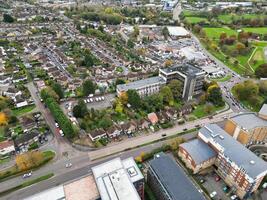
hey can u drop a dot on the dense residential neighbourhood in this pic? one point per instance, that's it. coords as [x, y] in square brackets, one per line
[133, 99]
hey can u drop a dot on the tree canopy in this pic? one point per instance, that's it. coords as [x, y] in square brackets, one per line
[88, 87]
[134, 99]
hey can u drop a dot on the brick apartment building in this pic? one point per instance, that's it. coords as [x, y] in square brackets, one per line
[241, 169]
[248, 128]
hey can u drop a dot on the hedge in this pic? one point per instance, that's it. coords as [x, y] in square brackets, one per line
[64, 123]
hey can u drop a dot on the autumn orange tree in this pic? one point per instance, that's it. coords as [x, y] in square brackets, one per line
[29, 160]
[3, 119]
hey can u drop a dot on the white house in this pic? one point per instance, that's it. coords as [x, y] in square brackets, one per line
[6, 147]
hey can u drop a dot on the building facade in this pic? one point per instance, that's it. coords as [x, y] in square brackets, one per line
[168, 181]
[190, 76]
[143, 87]
[241, 169]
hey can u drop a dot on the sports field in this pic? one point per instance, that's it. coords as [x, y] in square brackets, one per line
[228, 18]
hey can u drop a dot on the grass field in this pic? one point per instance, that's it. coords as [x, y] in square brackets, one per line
[194, 20]
[23, 110]
[258, 30]
[257, 58]
[214, 33]
[228, 18]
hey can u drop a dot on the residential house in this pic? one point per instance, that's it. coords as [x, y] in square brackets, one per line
[27, 138]
[143, 124]
[113, 131]
[153, 118]
[97, 134]
[185, 110]
[27, 122]
[6, 147]
[12, 92]
[4, 80]
[20, 101]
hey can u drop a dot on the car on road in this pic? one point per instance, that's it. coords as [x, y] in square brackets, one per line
[234, 197]
[185, 129]
[61, 132]
[56, 124]
[164, 135]
[213, 194]
[27, 175]
[202, 181]
[68, 165]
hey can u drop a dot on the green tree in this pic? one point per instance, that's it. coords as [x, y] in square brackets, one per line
[130, 43]
[167, 95]
[58, 89]
[48, 92]
[88, 87]
[136, 31]
[176, 87]
[8, 18]
[215, 96]
[105, 122]
[80, 110]
[119, 107]
[246, 90]
[134, 99]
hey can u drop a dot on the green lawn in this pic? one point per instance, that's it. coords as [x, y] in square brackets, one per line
[257, 58]
[223, 79]
[200, 112]
[214, 33]
[258, 30]
[228, 18]
[194, 20]
[23, 110]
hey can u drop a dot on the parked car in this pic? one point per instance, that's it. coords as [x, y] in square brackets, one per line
[61, 132]
[213, 194]
[217, 178]
[226, 189]
[164, 135]
[202, 181]
[56, 124]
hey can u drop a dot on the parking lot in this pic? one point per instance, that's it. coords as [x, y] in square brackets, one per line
[213, 184]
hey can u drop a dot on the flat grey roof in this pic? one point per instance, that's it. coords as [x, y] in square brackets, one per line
[174, 179]
[186, 68]
[140, 83]
[114, 182]
[199, 150]
[235, 151]
[263, 110]
[249, 120]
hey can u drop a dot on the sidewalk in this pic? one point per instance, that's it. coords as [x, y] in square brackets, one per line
[144, 139]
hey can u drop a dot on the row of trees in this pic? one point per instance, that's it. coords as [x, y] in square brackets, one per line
[64, 123]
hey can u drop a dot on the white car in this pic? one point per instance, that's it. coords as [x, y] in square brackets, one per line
[213, 194]
[96, 98]
[233, 197]
[27, 175]
[85, 101]
[61, 133]
[68, 165]
[103, 98]
[56, 124]
[91, 99]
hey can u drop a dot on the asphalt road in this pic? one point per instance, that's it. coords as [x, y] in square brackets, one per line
[81, 166]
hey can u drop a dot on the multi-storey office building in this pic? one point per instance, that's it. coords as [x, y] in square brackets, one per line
[168, 181]
[239, 167]
[191, 76]
[143, 87]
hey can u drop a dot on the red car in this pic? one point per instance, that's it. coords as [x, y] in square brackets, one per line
[217, 178]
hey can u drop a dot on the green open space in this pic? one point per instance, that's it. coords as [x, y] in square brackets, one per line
[27, 183]
[200, 110]
[216, 32]
[23, 110]
[258, 30]
[223, 79]
[228, 18]
[194, 20]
